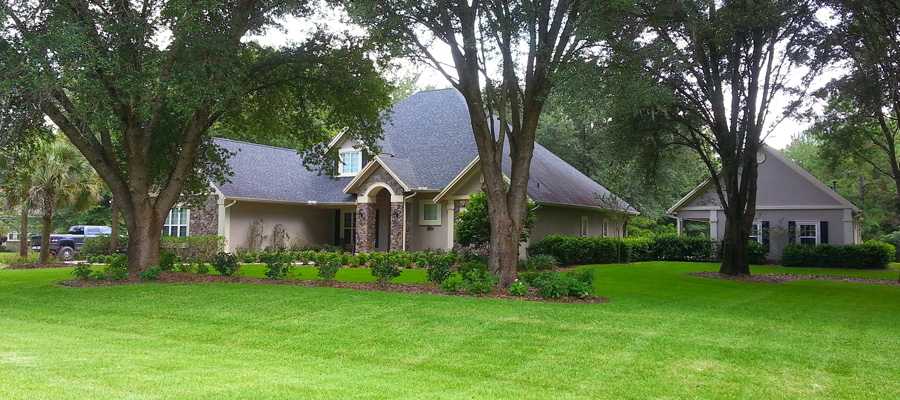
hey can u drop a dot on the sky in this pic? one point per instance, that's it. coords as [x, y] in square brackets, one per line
[294, 30]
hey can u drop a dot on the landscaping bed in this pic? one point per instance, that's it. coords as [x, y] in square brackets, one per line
[416, 288]
[785, 278]
[40, 265]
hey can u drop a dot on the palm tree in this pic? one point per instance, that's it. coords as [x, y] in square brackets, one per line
[59, 176]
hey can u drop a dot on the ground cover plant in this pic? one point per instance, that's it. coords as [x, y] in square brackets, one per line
[663, 335]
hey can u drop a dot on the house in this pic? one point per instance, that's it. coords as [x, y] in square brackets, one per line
[406, 197]
[792, 206]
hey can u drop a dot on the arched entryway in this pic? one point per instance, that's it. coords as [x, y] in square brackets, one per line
[379, 219]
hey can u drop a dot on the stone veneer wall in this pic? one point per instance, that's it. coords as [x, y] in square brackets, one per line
[205, 219]
[397, 226]
[365, 227]
[380, 176]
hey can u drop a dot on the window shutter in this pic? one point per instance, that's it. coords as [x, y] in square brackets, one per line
[823, 237]
[792, 232]
[765, 233]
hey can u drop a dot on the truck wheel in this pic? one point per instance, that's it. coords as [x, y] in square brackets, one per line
[66, 253]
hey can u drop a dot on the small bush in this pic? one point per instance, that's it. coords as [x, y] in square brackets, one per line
[869, 255]
[476, 278]
[201, 268]
[277, 266]
[556, 285]
[452, 285]
[167, 260]
[99, 245]
[518, 289]
[382, 267]
[116, 268]
[83, 271]
[541, 262]
[439, 267]
[225, 263]
[329, 268]
[202, 247]
[151, 274]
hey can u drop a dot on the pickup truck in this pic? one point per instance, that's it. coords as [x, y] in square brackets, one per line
[65, 246]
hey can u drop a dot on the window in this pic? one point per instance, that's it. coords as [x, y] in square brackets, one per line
[808, 233]
[605, 228]
[584, 226]
[351, 161]
[756, 232]
[176, 223]
[12, 236]
[349, 228]
[429, 213]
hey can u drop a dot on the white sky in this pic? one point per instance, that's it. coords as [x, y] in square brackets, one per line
[294, 30]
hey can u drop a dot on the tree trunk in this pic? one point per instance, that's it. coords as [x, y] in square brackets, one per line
[144, 231]
[114, 224]
[736, 251]
[24, 238]
[46, 218]
[504, 249]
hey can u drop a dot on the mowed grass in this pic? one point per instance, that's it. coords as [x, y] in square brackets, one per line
[663, 335]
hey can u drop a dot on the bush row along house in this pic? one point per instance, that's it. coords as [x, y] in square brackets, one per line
[407, 197]
[792, 206]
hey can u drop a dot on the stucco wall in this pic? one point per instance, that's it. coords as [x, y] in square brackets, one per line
[553, 220]
[314, 224]
[427, 236]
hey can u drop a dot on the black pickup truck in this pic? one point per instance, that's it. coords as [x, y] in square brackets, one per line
[65, 246]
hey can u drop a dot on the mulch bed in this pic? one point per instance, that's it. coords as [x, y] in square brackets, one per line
[40, 266]
[785, 278]
[416, 288]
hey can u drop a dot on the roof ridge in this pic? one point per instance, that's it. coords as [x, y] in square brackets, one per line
[256, 144]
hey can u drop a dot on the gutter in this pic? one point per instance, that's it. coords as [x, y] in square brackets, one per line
[404, 217]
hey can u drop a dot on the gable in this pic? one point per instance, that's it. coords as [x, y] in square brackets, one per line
[781, 183]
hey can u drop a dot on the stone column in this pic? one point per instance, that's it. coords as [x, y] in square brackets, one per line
[365, 227]
[396, 232]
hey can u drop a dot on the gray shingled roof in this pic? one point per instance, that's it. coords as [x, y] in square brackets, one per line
[430, 138]
[276, 174]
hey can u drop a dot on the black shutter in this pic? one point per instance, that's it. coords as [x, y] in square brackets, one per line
[765, 233]
[337, 228]
[792, 231]
[823, 237]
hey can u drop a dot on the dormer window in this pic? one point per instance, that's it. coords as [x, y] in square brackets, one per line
[351, 162]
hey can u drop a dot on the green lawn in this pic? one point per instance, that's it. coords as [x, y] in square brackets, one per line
[663, 335]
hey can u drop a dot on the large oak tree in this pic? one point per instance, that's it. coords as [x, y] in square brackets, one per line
[502, 58]
[136, 85]
[703, 74]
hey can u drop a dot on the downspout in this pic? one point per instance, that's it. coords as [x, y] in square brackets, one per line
[404, 217]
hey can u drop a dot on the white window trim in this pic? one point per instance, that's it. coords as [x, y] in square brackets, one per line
[818, 230]
[187, 223]
[605, 228]
[422, 220]
[12, 236]
[585, 227]
[341, 162]
[344, 227]
[759, 231]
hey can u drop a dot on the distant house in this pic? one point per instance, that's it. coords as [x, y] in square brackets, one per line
[407, 197]
[792, 207]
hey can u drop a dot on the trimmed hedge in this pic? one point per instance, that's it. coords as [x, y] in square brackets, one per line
[869, 255]
[571, 250]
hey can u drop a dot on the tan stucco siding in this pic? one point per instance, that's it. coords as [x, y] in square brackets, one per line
[423, 237]
[314, 225]
[556, 220]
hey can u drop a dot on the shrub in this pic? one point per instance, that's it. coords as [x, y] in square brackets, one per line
[439, 267]
[277, 266]
[893, 239]
[476, 278]
[225, 263]
[518, 289]
[637, 249]
[202, 247]
[556, 285]
[382, 267]
[99, 245]
[570, 250]
[116, 268]
[869, 255]
[167, 260]
[329, 267]
[682, 248]
[82, 271]
[151, 274]
[541, 262]
[452, 285]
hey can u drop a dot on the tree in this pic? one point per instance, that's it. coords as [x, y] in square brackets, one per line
[58, 176]
[703, 75]
[862, 118]
[473, 226]
[136, 86]
[503, 58]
